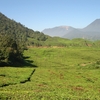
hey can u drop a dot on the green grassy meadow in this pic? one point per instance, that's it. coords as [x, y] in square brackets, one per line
[61, 74]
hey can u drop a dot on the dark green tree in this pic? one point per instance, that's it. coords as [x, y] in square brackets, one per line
[11, 51]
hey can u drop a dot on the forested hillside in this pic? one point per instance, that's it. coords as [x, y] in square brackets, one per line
[8, 26]
[14, 39]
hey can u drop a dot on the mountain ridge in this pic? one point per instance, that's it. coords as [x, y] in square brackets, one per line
[56, 31]
[91, 31]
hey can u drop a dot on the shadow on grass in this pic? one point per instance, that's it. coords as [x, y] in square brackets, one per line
[25, 62]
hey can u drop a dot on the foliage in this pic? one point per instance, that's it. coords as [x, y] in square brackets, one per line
[24, 34]
[14, 39]
[62, 74]
[12, 76]
[11, 50]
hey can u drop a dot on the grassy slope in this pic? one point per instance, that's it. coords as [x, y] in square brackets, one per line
[62, 73]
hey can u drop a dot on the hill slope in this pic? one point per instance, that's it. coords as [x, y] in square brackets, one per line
[29, 36]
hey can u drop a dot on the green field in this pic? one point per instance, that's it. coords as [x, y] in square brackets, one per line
[61, 74]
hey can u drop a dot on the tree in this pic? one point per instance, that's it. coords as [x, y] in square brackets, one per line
[10, 50]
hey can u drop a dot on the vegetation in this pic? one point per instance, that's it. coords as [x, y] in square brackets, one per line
[62, 74]
[10, 48]
[14, 38]
[23, 33]
[66, 69]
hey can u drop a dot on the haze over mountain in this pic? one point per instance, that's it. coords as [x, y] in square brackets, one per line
[91, 31]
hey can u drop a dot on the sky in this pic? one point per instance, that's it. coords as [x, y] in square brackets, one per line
[41, 14]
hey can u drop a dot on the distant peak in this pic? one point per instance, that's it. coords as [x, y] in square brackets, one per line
[97, 20]
[66, 27]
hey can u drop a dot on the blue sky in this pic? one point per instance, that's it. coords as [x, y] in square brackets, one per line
[41, 14]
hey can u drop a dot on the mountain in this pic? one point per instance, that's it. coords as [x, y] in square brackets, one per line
[76, 33]
[93, 27]
[58, 31]
[91, 31]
